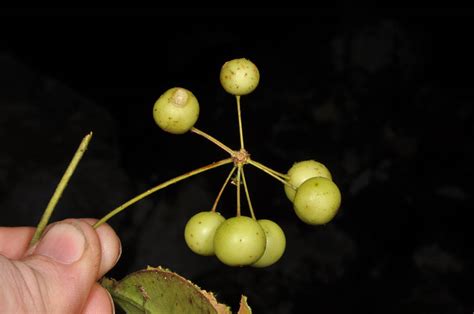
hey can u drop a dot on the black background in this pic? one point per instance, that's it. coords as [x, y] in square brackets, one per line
[384, 100]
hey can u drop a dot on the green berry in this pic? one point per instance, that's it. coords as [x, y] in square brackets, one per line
[239, 77]
[199, 232]
[239, 241]
[302, 171]
[275, 246]
[317, 201]
[176, 111]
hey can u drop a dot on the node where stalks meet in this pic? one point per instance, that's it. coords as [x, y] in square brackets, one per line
[240, 157]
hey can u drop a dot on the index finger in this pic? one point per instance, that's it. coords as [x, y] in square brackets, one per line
[14, 241]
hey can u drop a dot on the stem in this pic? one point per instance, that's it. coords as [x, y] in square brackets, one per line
[248, 195]
[268, 171]
[222, 189]
[282, 175]
[239, 170]
[161, 186]
[239, 114]
[212, 139]
[60, 188]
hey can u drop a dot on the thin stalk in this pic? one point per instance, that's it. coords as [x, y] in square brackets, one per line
[213, 140]
[239, 170]
[247, 194]
[282, 175]
[222, 189]
[60, 188]
[161, 186]
[239, 114]
[265, 169]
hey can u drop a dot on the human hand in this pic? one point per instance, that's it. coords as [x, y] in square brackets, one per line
[59, 273]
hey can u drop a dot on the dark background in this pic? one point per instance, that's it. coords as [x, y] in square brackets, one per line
[383, 100]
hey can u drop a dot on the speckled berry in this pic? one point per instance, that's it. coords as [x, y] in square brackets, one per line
[302, 171]
[276, 243]
[239, 241]
[176, 111]
[199, 232]
[317, 201]
[239, 77]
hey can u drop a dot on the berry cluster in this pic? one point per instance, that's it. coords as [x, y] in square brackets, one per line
[244, 240]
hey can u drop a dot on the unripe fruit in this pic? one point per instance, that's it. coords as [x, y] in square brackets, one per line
[302, 171]
[239, 76]
[199, 232]
[276, 243]
[317, 201]
[239, 241]
[176, 111]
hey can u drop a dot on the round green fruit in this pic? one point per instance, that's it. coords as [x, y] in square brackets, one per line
[275, 246]
[176, 111]
[317, 201]
[239, 241]
[199, 232]
[302, 171]
[239, 76]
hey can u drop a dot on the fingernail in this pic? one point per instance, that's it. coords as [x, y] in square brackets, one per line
[64, 243]
[119, 254]
[111, 302]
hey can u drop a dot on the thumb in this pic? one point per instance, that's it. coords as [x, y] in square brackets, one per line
[63, 267]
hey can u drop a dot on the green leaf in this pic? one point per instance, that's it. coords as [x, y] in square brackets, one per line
[159, 290]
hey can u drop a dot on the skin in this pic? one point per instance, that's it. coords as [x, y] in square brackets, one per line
[59, 274]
